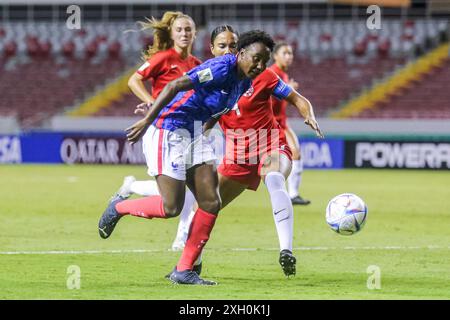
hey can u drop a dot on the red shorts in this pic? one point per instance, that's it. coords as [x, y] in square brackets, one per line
[250, 174]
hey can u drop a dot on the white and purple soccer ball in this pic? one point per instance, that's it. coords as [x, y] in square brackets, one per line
[346, 214]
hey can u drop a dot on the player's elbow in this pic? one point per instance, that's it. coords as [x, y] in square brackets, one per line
[132, 81]
[177, 85]
[173, 86]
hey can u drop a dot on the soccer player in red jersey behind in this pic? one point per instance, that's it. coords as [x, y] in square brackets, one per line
[168, 58]
[283, 56]
[257, 149]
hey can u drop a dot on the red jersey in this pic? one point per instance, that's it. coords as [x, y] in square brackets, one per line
[165, 66]
[279, 106]
[252, 121]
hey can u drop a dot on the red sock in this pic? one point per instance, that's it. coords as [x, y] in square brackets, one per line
[148, 207]
[199, 232]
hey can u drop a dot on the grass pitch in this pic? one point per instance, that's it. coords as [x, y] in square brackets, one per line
[49, 216]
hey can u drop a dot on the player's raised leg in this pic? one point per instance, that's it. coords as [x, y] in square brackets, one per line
[150, 188]
[276, 167]
[168, 204]
[295, 178]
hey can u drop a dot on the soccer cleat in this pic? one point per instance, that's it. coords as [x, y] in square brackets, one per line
[189, 277]
[287, 262]
[109, 218]
[125, 190]
[197, 269]
[300, 201]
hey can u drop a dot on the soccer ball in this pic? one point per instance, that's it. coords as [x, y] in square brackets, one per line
[346, 214]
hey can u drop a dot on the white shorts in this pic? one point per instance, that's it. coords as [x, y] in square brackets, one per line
[171, 154]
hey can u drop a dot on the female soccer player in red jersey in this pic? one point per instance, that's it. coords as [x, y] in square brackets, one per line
[254, 117]
[168, 58]
[283, 57]
[182, 156]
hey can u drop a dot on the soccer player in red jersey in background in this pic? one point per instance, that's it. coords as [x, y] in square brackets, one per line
[283, 57]
[168, 58]
[244, 166]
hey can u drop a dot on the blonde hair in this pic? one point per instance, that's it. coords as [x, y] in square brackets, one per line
[161, 31]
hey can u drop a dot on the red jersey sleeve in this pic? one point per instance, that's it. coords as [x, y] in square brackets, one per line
[152, 67]
[270, 80]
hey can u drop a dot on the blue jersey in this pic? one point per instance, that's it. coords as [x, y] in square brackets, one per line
[217, 88]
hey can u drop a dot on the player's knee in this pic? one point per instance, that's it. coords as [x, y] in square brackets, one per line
[172, 210]
[212, 205]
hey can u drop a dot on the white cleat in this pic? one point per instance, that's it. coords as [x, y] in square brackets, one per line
[125, 190]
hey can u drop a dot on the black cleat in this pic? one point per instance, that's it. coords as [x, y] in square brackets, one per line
[189, 277]
[109, 218]
[300, 201]
[197, 269]
[287, 262]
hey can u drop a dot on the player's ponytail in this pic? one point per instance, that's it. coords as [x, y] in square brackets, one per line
[161, 31]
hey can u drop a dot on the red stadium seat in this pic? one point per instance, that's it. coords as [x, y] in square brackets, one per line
[10, 49]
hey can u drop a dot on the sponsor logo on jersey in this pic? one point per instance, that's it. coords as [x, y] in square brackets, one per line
[205, 75]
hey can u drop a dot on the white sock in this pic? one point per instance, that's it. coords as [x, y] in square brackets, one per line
[145, 188]
[186, 216]
[295, 178]
[283, 212]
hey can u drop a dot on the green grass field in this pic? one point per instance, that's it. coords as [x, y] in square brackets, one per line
[56, 208]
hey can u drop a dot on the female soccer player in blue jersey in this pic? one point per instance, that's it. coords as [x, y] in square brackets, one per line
[182, 155]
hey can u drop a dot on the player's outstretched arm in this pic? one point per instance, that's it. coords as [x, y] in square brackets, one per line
[137, 130]
[306, 110]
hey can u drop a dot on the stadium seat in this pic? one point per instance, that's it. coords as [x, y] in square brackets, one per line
[334, 60]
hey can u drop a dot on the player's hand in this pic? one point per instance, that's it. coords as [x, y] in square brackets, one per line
[293, 84]
[142, 109]
[315, 126]
[137, 130]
